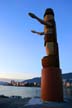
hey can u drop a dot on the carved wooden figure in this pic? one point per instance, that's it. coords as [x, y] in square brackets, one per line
[51, 80]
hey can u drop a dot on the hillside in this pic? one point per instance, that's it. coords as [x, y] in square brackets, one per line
[3, 83]
[67, 76]
[38, 79]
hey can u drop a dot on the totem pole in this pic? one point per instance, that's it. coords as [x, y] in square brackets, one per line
[51, 80]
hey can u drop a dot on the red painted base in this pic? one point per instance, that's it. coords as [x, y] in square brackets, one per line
[51, 85]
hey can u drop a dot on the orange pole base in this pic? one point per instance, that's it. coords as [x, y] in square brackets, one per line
[51, 85]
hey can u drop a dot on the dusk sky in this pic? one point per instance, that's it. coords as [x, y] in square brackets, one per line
[20, 50]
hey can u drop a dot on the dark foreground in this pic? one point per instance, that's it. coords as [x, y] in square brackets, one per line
[15, 102]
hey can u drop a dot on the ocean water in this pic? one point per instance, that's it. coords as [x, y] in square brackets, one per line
[20, 91]
[27, 91]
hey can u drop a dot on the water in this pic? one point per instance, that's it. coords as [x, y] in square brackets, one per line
[27, 91]
[20, 91]
[68, 93]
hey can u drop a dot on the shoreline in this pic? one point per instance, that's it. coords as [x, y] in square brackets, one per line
[34, 102]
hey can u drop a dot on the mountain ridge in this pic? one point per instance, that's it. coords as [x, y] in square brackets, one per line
[66, 76]
[38, 79]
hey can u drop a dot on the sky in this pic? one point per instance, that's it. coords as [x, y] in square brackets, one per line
[20, 50]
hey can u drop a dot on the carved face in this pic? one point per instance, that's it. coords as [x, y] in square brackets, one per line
[48, 17]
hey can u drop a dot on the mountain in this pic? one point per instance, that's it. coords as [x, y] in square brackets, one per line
[38, 79]
[3, 83]
[5, 79]
[67, 76]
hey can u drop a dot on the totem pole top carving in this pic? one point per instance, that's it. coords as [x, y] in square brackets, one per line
[49, 29]
[48, 15]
